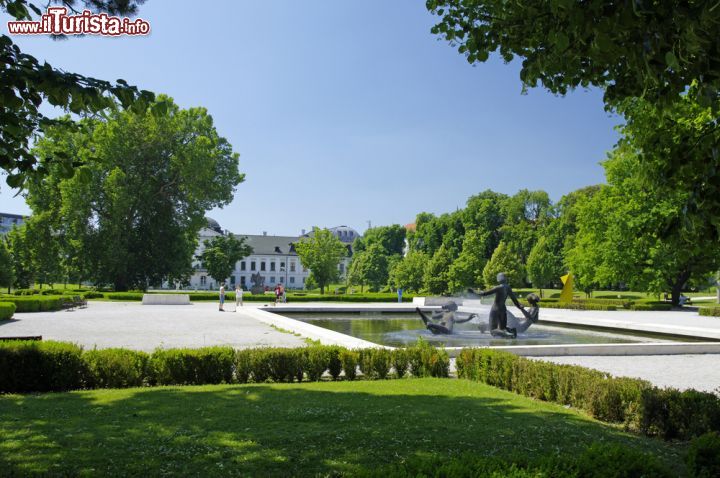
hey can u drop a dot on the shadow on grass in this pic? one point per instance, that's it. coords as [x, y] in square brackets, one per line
[286, 430]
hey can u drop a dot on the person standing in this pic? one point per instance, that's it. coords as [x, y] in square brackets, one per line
[238, 296]
[222, 297]
[278, 293]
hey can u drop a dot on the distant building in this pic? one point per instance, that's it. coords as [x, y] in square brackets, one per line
[274, 257]
[8, 221]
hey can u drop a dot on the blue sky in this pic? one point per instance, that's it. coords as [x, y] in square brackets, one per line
[345, 112]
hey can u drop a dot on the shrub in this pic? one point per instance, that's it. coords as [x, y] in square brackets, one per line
[316, 362]
[654, 305]
[380, 363]
[259, 365]
[350, 360]
[428, 361]
[115, 368]
[285, 365]
[7, 309]
[664, 412]
[334, 363]
[207, 365]
[709, 311]
[400, 362]
[34, 366]
[36, 303]
[92, 295]
[243, 365]
[703, 458]
[123, 295]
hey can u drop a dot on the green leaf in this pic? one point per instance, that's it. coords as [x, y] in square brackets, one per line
[672, 61]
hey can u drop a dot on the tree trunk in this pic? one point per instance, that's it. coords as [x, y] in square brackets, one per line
[677, 287]
[322, 289]
[541, 293]
[120, 284]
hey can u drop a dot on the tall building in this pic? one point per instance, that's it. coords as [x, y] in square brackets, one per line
[273, 257]
[8, 221]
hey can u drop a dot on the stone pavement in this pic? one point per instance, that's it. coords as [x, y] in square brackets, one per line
[146, 327]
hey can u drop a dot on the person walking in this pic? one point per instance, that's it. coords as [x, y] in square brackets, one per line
[278, 293]
[222, 297]
[238, 296]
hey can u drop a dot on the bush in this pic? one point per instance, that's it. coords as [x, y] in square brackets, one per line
[7, 309]
[335, 365]
[26, 292]
[124, 295]
[260, 365]
[709, 311]
[635, 403]
[285, 365]
[243, 365]
[428, 361]
[703, 458]
[350, 360]
[653, 305]
[37, 303]
[207, 365]
[115, 368]
[92, 295]
[400, 362]
[34, 366]
[316, 362]
[375, 363]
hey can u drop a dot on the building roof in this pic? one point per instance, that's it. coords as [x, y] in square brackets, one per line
[270, 245]
[11, 216]
[213, 224]
[344, 233]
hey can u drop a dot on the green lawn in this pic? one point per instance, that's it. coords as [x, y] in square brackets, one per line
[287, 429]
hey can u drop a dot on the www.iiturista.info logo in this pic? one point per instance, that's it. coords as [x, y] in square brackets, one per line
[57, 22]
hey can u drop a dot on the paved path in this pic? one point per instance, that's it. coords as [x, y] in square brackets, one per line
[146, 327]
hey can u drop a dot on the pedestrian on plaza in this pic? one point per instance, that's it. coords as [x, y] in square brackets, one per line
[222, 297]
[238, 296]
[278, 293]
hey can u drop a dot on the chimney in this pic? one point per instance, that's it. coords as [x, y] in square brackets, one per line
[264, 233]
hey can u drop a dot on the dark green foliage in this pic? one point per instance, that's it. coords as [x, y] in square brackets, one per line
[243, 365]
[335, 365]
[34, 366]
[260, 365]
[635, 403]
[115, 368]
[316, 362]
[92, 295]
[400, 362]
[377, 362]
[703, 459]
[36, 303]
[192, 366]
[428, 361]
[597, 461]
[350, 360]
[285, 365]
[124, 295]
[7, 309]
[651, 306]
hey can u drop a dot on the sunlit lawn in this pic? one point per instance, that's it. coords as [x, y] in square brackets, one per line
[292, 429]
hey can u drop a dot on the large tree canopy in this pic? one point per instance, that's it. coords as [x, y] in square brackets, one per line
[321, 253]
[132, 212]
[642, 48]
[26, 83]
[221, 253]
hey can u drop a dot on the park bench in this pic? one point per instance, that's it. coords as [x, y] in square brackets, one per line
[80, 302]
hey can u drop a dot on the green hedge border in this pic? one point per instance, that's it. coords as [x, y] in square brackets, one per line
[7, 309]
[709, 311]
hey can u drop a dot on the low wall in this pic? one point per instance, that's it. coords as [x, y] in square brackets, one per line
[166, 299]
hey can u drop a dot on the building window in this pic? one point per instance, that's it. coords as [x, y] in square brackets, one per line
[203, 280]
[282, 266]
[262, 266]
[252, 266]
[242, 281]
[243, 266]
[292, 267]
[342, 268]
[292, 280]
[281, 279]
[272, 279]
[232, 280]
[272, 266]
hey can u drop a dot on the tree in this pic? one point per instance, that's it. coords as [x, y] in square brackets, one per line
[466, 270]
[43, 243]
[543, 266]
[7, 272]
[138, 201]
[643, 234]
[370, 267]
[22, 263]
[391, 239]
[525, 214]
[321, 252]
[408, 273]
[26, 84]
[654, 50]
[436, 272]
[504, 260]
[221, 253]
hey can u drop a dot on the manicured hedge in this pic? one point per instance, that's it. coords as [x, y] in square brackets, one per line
[36, 303]
[93, 294]
[123, 295]
[7, 309]
[291, 297]
[598, 460]
[34, 366]
[668, 413]
[653, 305]
[709, 311]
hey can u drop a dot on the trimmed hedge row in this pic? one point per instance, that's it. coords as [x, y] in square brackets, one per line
[230, 296]
[709, 311]
[7, 309]
[637, 404]
[34, 366]
[598, 460]
[603, 304]
[36, 303]
[651, 305]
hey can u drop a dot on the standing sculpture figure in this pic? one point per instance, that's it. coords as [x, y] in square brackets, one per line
[498, 311]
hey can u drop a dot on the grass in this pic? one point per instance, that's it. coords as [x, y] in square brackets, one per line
[287, 429]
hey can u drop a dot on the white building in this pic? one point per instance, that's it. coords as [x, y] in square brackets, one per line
[274, 257]
[8, 221]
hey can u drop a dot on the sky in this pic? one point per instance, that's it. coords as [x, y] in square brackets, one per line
[346, 112]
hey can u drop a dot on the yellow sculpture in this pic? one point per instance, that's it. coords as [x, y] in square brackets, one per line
[567, 291]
